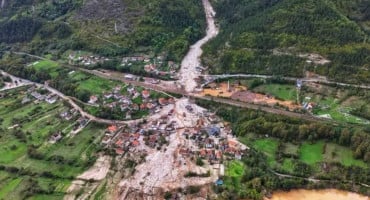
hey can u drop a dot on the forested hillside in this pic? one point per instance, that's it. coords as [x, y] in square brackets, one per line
[278, 36]
[105, 27]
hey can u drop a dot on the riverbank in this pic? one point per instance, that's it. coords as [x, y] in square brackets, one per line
[327, 194]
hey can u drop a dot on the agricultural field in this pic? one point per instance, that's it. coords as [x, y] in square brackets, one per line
[279, 91]
[96, 85]
[308, 153]
[269, 147]
[30, 166]
[46, 66]
[311, 153]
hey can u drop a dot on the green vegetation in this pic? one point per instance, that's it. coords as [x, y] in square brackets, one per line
[95, 85]
[270, 37]
[30, 166]
[235, 169]
[234, 172]
[78, 84]
[283, 92]
[340, 104]
[311, 153]
[110, 28]
[267, 146]
[294, 147]
[336, 153]
[46, 65]
[9, 187]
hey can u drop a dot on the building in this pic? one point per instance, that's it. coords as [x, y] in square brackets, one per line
[145, 94]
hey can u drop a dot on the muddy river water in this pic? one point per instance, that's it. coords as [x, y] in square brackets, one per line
[329, 194]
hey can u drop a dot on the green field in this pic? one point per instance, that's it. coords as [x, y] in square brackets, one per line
[337, 104]
[9, 187]
[235, 169]
[284, 92]
[233, 174]
[311, 153]
[336, 153]
[63, 160]
[288, 165]
[48, 66]
[96, 85]
[267, 146]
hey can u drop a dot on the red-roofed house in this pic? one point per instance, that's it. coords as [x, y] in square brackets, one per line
[112, 128]
[120, 151]
[119, 143]
[135, 143]
[162, 101]
[145, 93]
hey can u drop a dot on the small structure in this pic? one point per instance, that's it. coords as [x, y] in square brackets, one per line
[56, 137]
[145, 93]
[219, 182]
[93, 99]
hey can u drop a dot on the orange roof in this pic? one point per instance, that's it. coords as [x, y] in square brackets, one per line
[119, 151]
[112, 128]
[232, 143]
[136, 143]
[162, 101]
[119, 142]
[145, 93]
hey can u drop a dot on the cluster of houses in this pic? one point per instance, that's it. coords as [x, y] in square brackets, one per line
[37, 95]
[153, 134]
[210, 139]
[68, 115]
[155, 65]
[130, 100]
[85, 60]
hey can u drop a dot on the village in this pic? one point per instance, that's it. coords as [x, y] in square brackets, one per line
[155, 65]
[194, 142]
[37, 94]
[132, 102]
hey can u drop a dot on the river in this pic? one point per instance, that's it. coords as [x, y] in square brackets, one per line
[328, 194]
[188, 70]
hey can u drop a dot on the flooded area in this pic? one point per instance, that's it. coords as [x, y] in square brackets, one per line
[329, 194]
[191, 61]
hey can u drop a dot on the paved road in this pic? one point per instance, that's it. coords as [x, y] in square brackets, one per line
[16, 82]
